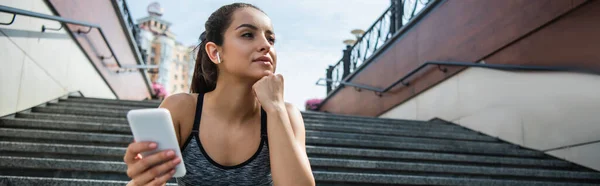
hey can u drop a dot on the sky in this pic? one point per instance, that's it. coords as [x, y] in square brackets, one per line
[310, 33]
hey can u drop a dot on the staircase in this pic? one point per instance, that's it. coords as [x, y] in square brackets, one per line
[81, 141]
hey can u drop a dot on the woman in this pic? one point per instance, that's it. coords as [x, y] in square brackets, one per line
[234, 128]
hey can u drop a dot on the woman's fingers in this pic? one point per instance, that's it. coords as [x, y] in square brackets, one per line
[147, 162]
[157, 171]
[135, 148]
[162, 179]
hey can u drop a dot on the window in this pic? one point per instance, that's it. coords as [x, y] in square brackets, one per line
[175, 77]
[181, 86]
[153, 23]
[174, 87]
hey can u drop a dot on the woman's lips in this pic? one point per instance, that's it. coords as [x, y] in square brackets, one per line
[264, 60]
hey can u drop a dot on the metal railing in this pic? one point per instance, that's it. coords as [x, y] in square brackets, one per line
[390, 22]
[131, 28]
[440, 66]
[16, 11]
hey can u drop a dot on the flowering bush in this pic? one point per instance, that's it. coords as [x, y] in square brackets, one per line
[312, 104]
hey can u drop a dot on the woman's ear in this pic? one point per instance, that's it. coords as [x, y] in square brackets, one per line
[212, 50]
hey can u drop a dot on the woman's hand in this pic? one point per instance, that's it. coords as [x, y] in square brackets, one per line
[269, 92]
[155, 169]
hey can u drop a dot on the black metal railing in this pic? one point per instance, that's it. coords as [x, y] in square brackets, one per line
[16, 11]
[131, 27]
[404, 80]
[367, 44]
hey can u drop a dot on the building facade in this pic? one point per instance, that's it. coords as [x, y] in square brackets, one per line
[160, 47]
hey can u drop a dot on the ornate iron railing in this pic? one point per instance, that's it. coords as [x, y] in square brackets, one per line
[355, 56]
[131, 28]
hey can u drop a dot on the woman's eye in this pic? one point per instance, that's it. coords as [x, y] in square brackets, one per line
[272, 40]
[248, 35]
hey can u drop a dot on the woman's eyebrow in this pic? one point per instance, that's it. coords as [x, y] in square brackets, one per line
[247, 25]
[253, 28]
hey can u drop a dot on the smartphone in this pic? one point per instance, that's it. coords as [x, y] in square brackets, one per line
[155, 125]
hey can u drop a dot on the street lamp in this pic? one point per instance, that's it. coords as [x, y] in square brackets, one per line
[349, 42]
[358, 33]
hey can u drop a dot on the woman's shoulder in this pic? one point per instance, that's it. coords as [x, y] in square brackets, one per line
[180, 98]
[179, 103]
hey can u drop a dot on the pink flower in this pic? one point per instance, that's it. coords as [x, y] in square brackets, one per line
[159, 90]
[312, 104]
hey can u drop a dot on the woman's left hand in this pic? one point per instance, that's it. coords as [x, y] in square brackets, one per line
[269, 92]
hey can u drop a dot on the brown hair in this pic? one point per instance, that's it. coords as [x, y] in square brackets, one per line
[206, 72]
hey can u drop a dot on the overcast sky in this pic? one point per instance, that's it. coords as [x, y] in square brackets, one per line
[309, 33]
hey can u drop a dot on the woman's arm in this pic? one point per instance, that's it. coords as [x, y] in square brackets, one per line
[286, 133]
[285, 128]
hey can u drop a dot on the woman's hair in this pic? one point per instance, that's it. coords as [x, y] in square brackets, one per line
[206, 72]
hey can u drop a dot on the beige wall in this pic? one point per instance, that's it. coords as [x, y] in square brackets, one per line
[542, 111]
[36, 67]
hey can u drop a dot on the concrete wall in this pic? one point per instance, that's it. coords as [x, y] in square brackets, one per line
[543, 111]
[36, 66]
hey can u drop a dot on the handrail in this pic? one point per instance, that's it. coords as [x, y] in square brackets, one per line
[403, 79]
[16, 11]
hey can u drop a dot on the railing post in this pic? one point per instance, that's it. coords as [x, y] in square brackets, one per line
[397, 13]
[329, 76]
[346, 62]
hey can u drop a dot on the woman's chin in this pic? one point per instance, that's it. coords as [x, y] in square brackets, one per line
[266, 73]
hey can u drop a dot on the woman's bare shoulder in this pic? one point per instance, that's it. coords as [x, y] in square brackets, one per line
[179, 103]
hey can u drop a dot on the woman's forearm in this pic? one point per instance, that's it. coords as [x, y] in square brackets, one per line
[289, 162]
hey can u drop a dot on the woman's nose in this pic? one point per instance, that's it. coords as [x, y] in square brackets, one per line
[265, 46]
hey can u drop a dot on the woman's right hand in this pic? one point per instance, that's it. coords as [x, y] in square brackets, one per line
[155, 169]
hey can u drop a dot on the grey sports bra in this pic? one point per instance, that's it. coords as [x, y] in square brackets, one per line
[202, 170]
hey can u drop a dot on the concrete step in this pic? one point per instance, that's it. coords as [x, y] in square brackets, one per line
[49, 115]
[99, 106]
[64, 168]
[143, 101]
[63, 164]
[89, 125]
[424, 126]
[404, 168]
[342, 178]
[441, 158]
[65, 151]
[71, 117]
[75, 126]
[72, 151]
[368, 144]
[334, 117]
[81, 111]
[397, 128]
[52, 136]
[374, 137]
[117, 169]
[65, 125]
[43, 181]
[91, 136]
[467, 135]
[111, 102]
[397, 132]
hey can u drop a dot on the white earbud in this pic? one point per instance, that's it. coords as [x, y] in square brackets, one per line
[218, 58]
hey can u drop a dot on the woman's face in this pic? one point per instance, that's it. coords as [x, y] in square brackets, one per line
[248, 45]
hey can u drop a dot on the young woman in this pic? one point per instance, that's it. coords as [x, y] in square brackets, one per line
[234, 128]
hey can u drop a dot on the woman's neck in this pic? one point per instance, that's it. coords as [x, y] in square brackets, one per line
[233, 100]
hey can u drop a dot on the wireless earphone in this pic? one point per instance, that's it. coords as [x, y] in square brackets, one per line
[218, 58]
